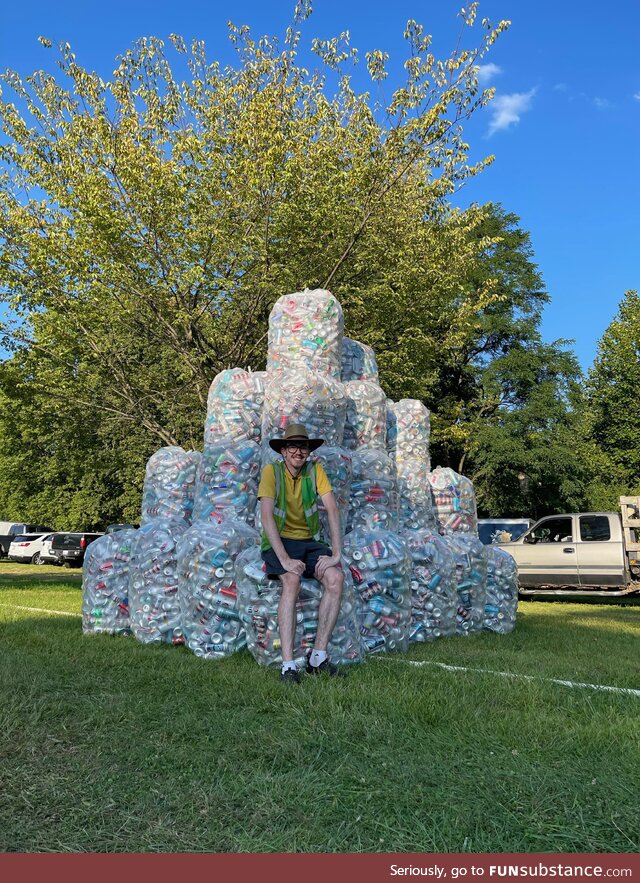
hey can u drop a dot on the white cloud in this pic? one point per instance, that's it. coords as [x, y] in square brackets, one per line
[487, 72]
[507, 109]
[602, 103]
[560, 87]
[637, 96]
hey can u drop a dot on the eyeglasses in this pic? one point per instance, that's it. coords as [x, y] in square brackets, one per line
[295, 446]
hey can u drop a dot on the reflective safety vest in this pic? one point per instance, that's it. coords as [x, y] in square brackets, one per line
[309, 502]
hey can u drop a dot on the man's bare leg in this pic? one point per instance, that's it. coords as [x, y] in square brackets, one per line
[287, 613]
[332, 583]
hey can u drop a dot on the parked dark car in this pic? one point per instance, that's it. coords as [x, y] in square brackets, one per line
[114, 528]
[70, 547]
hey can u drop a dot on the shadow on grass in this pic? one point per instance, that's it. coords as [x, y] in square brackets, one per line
[29, 580]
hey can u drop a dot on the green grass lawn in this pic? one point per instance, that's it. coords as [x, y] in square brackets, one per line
[107, 745]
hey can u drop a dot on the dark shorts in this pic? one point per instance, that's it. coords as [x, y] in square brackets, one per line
[302, 550]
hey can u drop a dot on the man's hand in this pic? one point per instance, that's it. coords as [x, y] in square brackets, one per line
[293, 565]
[324, 563]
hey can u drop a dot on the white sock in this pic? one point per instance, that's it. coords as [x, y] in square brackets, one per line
[317, 657]
[289, 665]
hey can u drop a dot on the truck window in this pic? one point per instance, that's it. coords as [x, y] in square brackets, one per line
[553, 530]
[594, 528]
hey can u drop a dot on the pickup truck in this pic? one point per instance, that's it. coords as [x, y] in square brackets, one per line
[584, 553]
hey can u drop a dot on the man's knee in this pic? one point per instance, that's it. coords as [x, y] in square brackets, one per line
[290, 583]
[333, 580]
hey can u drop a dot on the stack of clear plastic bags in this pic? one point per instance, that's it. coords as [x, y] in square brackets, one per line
[303, 396]
[381, 569]
[501, 602]
[258, 598]
[305, 331]
[358, 361]
[234, 406]
[416, 502]
[366, 420]
[454, 502]
[154, 605]
[169, 483]
[408, 431]
[207, 588]
[471, 580]
[434, 594]
[374, 490]
[227, 480]
[105, 584]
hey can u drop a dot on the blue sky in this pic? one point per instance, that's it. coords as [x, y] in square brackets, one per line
[564, 127]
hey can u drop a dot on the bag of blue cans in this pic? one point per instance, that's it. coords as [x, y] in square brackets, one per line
[303, 396]
[227, 480]
[258, 598]
[234, 406]
[358, 361]
[434, 595]
[380, 566]
[374, 490]
[306, 331]
[366, 419]
[471, 580]
[105, 584]
[169, 483]
[154, 605]
[207, 590]
[501, 602]
[454, 501]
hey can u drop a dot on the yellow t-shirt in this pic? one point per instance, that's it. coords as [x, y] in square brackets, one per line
[295, 525]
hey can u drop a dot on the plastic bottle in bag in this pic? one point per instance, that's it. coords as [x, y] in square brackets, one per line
[207, 592]
[234, 406]
[414, 490]
[105, 584]
[471, 579]
[169, 483]
[358, 361]
[501, 602]
[380, 566]
[227, 481]
[366, 418]
[434, 594]
[408, 431]
[454, 502]
[306, 331]
[154, 605]
[307, 397]
[374, 490]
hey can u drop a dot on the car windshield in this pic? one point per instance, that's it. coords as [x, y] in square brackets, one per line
[500, 531]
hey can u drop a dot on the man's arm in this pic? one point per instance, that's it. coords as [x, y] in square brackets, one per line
[333, 514]
[291, 565]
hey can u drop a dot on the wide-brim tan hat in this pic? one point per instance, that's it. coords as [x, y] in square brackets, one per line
[295, 432]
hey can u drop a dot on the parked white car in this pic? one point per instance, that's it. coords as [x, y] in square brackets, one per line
[47, 554]
[28, 547]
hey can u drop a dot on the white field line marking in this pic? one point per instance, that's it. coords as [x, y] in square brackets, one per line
[519, 677]
[40, 610]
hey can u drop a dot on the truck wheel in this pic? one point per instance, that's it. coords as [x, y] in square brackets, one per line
[36, 558]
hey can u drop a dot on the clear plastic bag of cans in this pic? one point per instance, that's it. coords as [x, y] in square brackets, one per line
[408, 431]
[258, 598]
[169, 483]
[234, 406]
[366, 420]
[358, 361]
[380, 566]
[501, 602]
[154, 605]
[227, 480]
[434, 594]
[414, 490]
[307, 397]
[207, 587]
[471, 580]
[105, 584]
[454, 501]
[306, 331]
[374, 490]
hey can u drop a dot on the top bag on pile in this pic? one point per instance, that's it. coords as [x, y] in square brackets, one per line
[306, 331]
[358, 361]
[234, 406]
